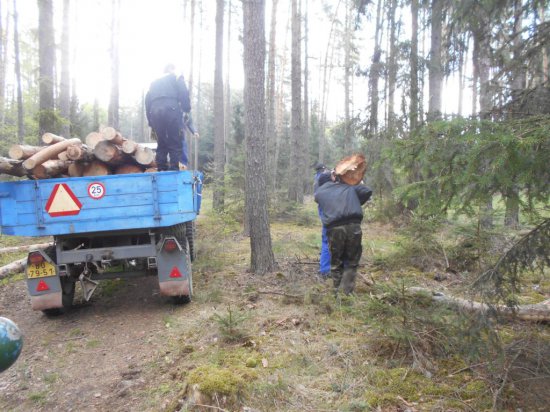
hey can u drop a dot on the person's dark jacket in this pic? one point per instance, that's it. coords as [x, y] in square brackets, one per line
[341, 203]
[167, 91]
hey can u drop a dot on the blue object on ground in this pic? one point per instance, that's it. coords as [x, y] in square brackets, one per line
[11, 343]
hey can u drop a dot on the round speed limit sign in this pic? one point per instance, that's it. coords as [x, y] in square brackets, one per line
[96, 190]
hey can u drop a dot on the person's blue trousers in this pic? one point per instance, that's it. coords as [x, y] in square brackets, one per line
[324, 259]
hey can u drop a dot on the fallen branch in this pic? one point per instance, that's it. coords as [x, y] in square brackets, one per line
[533, 313]
[25, 247]
[13, 267]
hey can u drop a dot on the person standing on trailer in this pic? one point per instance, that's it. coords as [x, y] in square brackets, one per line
[165, 104]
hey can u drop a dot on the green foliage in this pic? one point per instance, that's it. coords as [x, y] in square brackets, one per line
[214, 380]
[408, 322]
[231, 325]
[463, 163]
[531, 253]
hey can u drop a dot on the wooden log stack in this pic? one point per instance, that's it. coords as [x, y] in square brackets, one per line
[104, 152]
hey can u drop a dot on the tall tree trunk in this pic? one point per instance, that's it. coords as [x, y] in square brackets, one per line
[191, 49]
[46, 51]
[219, 144]
[113, 117]
[3, 63]
[295, 185]
[327, 74]
[392, 66]
[436, 66]
[413, 116]
[545, 65]
[20, 114]
[305, 140]
[271, 131]
[227, 104]
[262, 259]
[511, 215]
[347, 75]
[65, 81]
[461, 71]
[375, 71]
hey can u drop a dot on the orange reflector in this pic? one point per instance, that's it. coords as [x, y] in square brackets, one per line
[42, 286]
[175, 273]
[170, 245]
[36, 258]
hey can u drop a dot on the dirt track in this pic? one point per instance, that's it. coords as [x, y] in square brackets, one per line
[97, 357]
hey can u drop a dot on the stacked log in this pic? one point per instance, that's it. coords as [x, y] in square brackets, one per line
[104, 152]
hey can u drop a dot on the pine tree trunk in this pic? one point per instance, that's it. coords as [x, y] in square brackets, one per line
[227, 91]
[113, 116]
[414, 67]
[347, 75]
[305, 152]
[271, 130]
[436, 67]
[295, 185]
[20, 113]
[392, 66]
[46, 51]
[262, 259]
[65, 82]
[375, 72]
[2, 66]
[219, 143]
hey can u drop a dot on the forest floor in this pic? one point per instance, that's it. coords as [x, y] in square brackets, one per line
[280, 342]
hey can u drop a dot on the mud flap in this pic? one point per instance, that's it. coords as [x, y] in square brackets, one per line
[45, 293]
[174, 270]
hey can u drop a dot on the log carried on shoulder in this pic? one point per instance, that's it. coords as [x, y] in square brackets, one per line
[23, 151]
[48, 153]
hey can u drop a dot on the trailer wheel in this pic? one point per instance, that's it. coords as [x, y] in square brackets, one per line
[190, 229]
[67, 288]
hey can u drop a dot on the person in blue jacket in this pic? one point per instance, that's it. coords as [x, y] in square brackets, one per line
[165, 103]
[324, 258]
[342, 216]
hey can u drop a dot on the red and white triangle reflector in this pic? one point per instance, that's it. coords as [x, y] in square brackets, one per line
[42, 286]
[62, 201]
[175, 273]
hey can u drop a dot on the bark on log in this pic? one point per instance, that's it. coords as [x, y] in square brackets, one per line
[76, 169]
[93, 138]
[48, 153]
[533, 313]
[50, 168]
[23, 151]
[24, 248]
[110, 153]
[12, 167]
[50, 138]
[96, 168]
[13, 267]
[109, 133]
[126, 169]
[80, 152]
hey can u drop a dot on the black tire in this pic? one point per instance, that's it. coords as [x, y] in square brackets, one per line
[190, 234]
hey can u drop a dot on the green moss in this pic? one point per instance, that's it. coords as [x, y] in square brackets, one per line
[215, 380]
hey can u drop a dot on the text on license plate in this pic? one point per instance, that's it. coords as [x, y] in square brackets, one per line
[40, 270]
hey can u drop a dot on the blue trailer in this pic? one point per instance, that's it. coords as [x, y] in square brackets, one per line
[104, 227]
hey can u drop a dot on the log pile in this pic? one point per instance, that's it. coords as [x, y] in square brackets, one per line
[102, 153]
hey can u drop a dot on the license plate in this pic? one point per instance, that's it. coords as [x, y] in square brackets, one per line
[40, 270]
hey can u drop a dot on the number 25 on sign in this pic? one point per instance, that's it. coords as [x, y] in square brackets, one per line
[96, 190]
